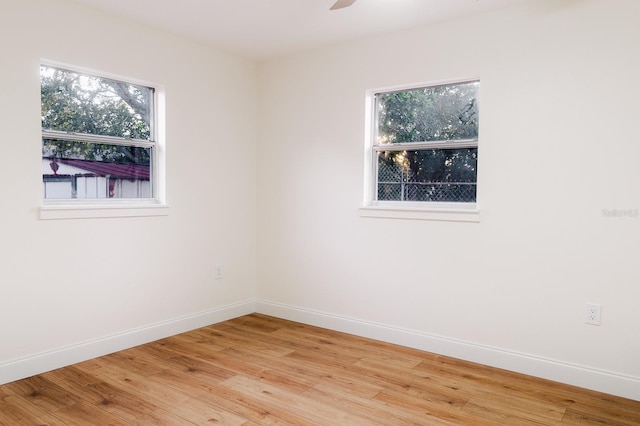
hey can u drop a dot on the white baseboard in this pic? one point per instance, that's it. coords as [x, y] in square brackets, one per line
[50, 360]
[576, 375]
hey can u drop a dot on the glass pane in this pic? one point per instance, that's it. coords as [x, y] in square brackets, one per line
[435, 175]
[75, 102]
[439, 113]
[76, 169]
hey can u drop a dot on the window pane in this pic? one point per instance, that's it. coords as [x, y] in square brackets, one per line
[436, 175]
[75, 102]
[76, 169]
[438, 113]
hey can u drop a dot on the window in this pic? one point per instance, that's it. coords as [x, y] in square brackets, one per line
[424, 149]
[99, 139]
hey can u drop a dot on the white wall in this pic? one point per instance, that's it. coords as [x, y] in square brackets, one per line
[157, 273]
[558, 144]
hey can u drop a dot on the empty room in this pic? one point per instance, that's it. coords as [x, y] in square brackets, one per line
[370, 212]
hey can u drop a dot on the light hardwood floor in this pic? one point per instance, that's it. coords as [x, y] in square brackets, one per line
[260, 370]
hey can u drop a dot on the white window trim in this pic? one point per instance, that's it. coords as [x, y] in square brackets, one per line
[452, 212]
[95, 210]
[112, 208]
[422, 211]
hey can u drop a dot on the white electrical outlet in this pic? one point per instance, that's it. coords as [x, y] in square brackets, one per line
[218, 273]
[593, 314]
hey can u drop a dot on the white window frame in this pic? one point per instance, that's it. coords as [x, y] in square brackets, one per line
[106, 208]
[456, 212]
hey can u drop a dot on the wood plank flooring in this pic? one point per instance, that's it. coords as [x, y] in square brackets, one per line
[260, 370]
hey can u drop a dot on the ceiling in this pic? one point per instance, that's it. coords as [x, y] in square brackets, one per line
[262, 29]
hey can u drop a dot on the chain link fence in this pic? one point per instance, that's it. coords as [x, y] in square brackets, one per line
[396, 183]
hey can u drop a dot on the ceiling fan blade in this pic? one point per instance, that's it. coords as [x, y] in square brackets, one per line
[342, 3]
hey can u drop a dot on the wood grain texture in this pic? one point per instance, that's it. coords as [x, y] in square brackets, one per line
[260, 370]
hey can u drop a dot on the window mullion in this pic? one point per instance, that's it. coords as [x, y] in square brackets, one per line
[415, 146]
[100, 139]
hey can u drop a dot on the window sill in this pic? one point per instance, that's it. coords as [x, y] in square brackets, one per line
[446, 213]
[94, 211]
